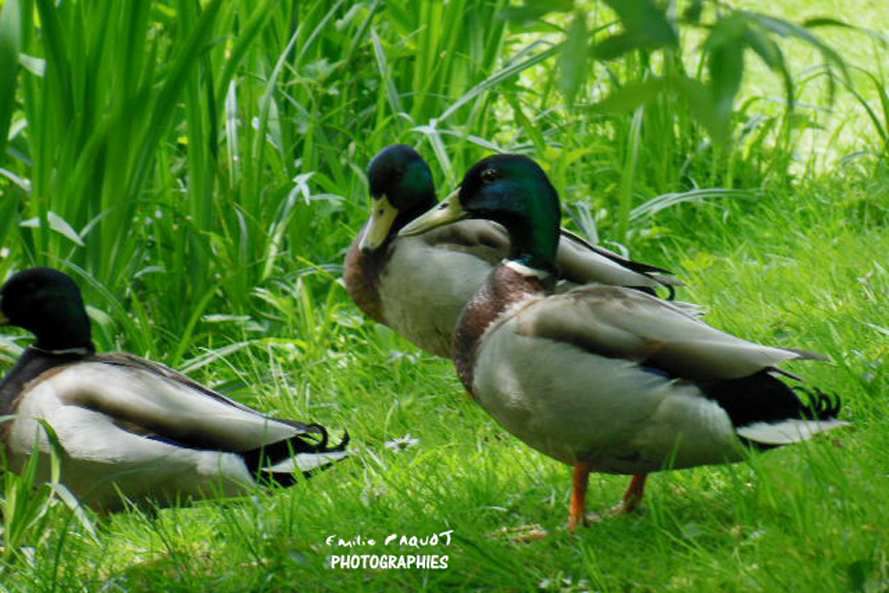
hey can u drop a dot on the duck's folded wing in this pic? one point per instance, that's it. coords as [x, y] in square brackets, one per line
[153, 400]
[584, 263]
[485, 239]
[578, 261]
[620, 323]
[123, 359]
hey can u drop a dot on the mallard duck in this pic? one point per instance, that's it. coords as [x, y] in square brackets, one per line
[418, 285]
[129, 427]
[600, 377]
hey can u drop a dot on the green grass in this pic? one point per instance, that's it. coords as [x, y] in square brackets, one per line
[224, 216]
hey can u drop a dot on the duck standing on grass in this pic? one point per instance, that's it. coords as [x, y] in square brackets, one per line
[128, 427]
[418, 285]
[600, 377]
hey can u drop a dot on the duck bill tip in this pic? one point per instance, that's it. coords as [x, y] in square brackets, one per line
[447, 211]
[382, 216]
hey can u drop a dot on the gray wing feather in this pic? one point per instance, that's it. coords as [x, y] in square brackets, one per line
[578, 261]
[137, 392]
[621, 323]
[584, 263]
[484, 239]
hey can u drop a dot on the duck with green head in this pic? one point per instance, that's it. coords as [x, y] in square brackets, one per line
[600, 377]
[131, 429]
[418, 285]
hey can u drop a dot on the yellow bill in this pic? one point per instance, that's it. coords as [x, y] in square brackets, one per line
[382, 215]
[448, 211]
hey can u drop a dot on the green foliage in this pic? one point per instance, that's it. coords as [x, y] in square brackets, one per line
[647, 27]
[29, 496]
[572, 59]
[10, 43]
[188, 148]
[879, 115]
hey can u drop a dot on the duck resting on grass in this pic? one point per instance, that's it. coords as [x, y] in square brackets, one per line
[418, 285]
[127, 427]
[600, 377]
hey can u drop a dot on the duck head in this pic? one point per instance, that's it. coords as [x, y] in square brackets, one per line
[511, 190]
[48, 304]
[401, 189]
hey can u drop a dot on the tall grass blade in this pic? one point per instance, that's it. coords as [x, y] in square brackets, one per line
[10, 46]
[385, 75]
[500, 76]
[655, 205]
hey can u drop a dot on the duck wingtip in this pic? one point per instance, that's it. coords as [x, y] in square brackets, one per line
[808, 355]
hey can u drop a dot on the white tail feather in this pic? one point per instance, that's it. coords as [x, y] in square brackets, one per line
[787, 431]
[305, 462]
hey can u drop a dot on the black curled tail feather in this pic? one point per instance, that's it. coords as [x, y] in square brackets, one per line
[344, 442]
[271, 454]
[819, 405]
[313, 428]
[763, 397]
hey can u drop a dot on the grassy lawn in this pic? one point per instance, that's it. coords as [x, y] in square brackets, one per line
[219, 254]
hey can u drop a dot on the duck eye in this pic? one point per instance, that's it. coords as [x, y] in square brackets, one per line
[489, 175]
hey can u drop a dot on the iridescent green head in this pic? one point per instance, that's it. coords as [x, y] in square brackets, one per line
[48, 304]
[514, 191]
[401, 189]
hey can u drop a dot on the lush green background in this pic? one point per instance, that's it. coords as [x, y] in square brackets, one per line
[200, 169]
